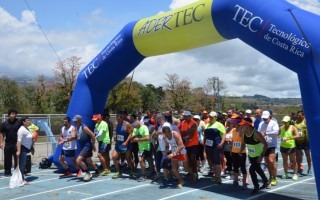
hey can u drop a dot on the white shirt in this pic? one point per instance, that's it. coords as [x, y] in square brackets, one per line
[67, 133]
[272, 131]
[25, 137]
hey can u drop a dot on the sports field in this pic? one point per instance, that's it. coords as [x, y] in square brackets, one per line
[46, 184]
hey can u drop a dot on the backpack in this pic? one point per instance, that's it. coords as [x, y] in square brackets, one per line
[44, 164]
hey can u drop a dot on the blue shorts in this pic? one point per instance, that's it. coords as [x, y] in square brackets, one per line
[122, 149]
[214, 154]
[103, 147]
[68, 153]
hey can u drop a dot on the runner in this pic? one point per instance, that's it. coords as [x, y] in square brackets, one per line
[189, 133]
[257, 146]
[177, 153]
[123, 145]
[87, 144]
[102, 135]
[68, 138]
[270, 129]
[302, 142]
[214, 137]
[140, 135]
[288, 134]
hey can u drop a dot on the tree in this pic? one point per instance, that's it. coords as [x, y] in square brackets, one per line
[65, 74]
[9, 95]
[177, 92]
[121, 97]
[215, 85]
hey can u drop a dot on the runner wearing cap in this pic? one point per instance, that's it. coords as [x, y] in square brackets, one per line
[189, 133]
[288, 134]
[86, 140]
[270, 129]
[101, 131]
[257, 146]
[201, 156]
[214, 137]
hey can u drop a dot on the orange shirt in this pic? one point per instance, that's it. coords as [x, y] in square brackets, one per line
[236, 142]
[185, 126]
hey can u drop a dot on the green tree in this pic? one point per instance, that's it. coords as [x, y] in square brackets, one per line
[9, 95]
[125, 95]
[65, 74]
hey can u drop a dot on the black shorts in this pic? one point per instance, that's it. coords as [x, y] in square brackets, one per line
[287, 150]
[271, 150]
[200, 155]
[192, 150]
[145, 154]
[68, 153]
[304, 146]
[214, 154]
[86, 152]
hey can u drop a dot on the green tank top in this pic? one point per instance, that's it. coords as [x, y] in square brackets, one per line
[255, 148]
[286, 134]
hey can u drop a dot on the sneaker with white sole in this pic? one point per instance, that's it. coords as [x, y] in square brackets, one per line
[87, 176]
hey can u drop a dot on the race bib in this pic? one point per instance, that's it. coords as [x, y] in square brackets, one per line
[251, 151]
[66, 145]
[209, 143]
[237, 145]
[120, 138]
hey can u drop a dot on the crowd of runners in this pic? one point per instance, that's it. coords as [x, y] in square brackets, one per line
[231, 145]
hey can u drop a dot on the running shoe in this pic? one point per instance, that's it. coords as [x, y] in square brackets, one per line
[164, 183]
[264, 186]
[295, 177]
[67, 173]
[116, 175]
[132, 174]
[255, 191]
[235, 184]
[141, 179]
[274, 182]
[96, 174]
[309, 172]
[179, 186]
[105, 172]
[87, 176]
[285, 176]
[79, 173]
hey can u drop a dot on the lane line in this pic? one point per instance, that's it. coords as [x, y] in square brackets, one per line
[279, 188]
[70, 191]
[106, 194]
[62, 188]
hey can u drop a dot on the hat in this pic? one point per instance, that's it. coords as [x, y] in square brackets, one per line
[265, 114]
[248, 111]
[212, 114]
[224, 114]
[166, 124]
[96, 117]
[286, 119]
[187, 113]
[196, 117]
[205, 112]
[134, 124]
[246, 121]
[77, 118]
[235, 116]
[146, 120]
[270, 111]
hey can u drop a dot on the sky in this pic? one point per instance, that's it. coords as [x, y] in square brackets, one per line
[83, 28]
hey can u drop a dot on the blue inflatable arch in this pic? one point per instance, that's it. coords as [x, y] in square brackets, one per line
[276, 28]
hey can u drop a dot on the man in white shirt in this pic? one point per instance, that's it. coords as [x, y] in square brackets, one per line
[270, 129]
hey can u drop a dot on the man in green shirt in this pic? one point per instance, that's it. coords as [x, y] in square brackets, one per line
[141, 136]
[102, 135]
